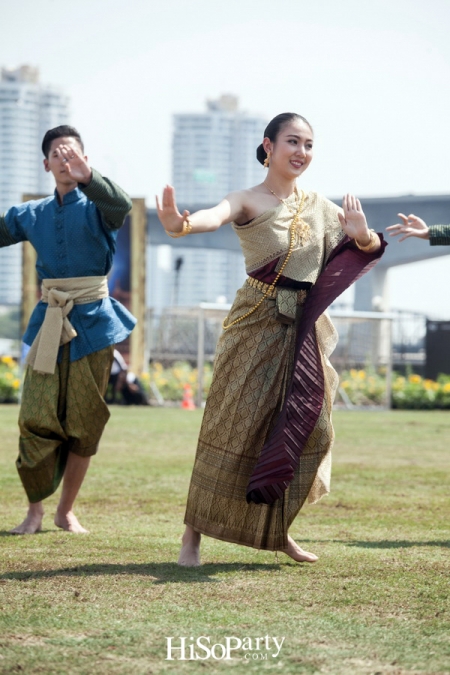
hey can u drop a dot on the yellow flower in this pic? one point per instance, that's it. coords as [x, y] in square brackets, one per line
[16, 383]
[9, 376]
[346, 384]
[415, 379]
[446, 388]
[361, 375]
[430, 385]
[8, 360]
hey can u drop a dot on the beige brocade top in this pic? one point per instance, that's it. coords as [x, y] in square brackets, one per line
[267, 237]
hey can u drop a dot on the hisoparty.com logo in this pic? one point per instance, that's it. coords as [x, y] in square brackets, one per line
[203, 648]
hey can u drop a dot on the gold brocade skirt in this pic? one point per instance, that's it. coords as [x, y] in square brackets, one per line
[59, 413]
[254, 363]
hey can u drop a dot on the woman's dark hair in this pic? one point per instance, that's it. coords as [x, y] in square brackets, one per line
[273, 129]
[60, 132]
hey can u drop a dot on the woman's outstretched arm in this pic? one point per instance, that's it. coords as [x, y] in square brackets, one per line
[206, 220]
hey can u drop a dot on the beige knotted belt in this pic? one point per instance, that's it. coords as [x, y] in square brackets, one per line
[56, 330]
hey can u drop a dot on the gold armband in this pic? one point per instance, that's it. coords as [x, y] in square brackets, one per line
[187, 227]
[373, 243]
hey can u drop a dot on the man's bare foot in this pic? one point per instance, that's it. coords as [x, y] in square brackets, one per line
[69, 522]
[33, 521]
[294, 551]
[190, 550]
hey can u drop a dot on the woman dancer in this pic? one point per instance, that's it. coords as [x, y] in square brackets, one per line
[266, 436]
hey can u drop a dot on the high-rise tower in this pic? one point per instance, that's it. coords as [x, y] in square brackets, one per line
[214, 152]
[27, 110]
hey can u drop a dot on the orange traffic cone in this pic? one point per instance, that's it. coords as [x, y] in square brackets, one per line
[188, 399]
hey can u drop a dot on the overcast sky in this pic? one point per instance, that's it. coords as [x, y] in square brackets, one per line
[372, 76]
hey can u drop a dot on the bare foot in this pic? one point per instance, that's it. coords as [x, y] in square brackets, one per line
[294, 551]
[69, 522]
[190, 550]
[33, 521]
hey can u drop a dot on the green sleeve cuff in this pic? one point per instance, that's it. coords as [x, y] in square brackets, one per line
[112, 202]
[439, 235]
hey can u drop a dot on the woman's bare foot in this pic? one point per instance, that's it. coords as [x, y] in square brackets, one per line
[33, 521]
[190, 550]
[298, 554]
[69, 522]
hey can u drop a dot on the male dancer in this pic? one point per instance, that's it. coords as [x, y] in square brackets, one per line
[412, 226]
[73, 328]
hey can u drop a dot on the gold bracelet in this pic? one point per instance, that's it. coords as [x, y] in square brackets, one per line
[187, 227]
[373, 243]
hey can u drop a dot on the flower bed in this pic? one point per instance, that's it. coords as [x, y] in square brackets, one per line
[362, 387]
[9, 380]
[410, 392]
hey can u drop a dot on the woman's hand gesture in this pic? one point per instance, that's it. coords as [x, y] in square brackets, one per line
[353, 222]
[168, 213]
[412, 226]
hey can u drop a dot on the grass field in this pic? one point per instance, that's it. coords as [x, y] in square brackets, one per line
[104, 603]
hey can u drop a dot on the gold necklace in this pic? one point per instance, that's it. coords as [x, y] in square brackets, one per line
[283, 201]
[302, 229]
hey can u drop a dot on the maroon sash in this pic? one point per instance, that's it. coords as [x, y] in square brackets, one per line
[281, 452]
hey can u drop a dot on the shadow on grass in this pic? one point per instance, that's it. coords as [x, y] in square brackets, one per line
[7, 533]
[385, 543]
[382, 543]
[160, 573]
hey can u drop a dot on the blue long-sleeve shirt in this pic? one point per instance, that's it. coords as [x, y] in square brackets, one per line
[75, 239]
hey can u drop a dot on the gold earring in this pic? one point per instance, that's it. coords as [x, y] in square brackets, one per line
[267, 160]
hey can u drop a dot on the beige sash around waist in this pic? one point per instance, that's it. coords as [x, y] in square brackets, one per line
[56, 330]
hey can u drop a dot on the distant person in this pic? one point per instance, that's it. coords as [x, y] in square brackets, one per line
[73, 328]
[125, 387]
[117, 377]
[266, 436]
[412, 226]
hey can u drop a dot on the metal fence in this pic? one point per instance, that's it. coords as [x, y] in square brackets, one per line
[191, 334]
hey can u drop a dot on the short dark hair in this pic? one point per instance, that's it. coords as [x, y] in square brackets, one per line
[273, 129]
[60, 132]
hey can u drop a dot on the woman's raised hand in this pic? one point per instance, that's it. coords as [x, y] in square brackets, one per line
[411, 226]
[353, 222]
[168, 213]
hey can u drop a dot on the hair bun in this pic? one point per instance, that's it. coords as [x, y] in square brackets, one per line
[261, 154]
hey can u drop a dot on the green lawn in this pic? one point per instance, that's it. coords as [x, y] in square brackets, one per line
[104, 603]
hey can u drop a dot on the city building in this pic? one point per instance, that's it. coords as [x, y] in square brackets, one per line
[214, 152]
[28, 109]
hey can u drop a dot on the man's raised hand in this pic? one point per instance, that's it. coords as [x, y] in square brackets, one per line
[76, 165]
